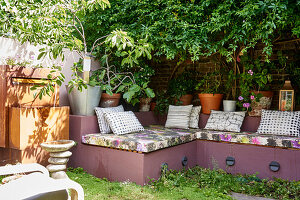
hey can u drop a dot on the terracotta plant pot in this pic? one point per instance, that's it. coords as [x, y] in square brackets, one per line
[109, 101]
[210, 102]
[145, 104]
[185, 99]
[264, 103]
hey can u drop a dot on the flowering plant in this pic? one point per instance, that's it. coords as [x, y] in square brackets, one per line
[255, 77]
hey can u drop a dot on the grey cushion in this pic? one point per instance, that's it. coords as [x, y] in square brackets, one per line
[179, 116]
[194, 117]
[279, 123]
[225, 121]
[123, 122]
[103, 125]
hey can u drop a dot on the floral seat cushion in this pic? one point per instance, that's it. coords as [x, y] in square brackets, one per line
[250, 138]
[151, 139]
[157, 137]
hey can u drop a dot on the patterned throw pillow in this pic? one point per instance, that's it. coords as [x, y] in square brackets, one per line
[279, 123]
[194, 118]
[123, 122]
[179, 116]
[103, 125]
[225, 121]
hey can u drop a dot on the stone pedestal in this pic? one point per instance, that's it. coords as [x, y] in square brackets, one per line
[59, 157]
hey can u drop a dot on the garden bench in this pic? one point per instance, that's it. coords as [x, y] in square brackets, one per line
[139, 156]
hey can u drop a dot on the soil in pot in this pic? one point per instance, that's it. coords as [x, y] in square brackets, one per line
[185, 99]
[109, 101]
[210, 102]
[264, 103]
[145, 104]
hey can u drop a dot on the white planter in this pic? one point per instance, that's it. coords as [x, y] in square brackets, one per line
[84, 102]
[229, 105]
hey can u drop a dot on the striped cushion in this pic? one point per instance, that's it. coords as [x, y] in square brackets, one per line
[103, 125]
[179, 116]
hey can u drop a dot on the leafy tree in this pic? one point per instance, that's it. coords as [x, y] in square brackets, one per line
[201, 28]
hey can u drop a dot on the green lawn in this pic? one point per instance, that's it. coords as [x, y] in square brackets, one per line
[195, 183]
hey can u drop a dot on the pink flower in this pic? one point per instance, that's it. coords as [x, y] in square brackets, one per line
[225, 137]
[252, 97]
[246, 105]
[240, 98]
[32, 57]
[250, 72]
[255, 141]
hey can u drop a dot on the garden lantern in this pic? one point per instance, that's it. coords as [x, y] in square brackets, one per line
[286, 97]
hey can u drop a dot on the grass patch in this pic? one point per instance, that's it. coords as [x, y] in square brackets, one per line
[195, 183]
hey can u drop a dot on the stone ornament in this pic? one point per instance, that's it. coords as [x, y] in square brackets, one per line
[59, 157]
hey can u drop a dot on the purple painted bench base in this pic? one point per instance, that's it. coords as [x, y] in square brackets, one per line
[118, 165]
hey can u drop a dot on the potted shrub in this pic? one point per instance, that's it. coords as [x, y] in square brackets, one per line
[83, 93]
[162, 103]
[142, 78]
[114, 83]
[255, 93]
[182, 88]
[209, 95]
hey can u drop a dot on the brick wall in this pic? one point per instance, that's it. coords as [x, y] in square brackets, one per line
[166, 68]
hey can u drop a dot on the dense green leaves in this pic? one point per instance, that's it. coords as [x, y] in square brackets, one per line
[200, 28]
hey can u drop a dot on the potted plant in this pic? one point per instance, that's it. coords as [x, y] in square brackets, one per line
[229, 104]
[255, 93]
[162, 103]
[182, 88]
[209, 95]
[114, 83]
[142, 77]
[83, 93]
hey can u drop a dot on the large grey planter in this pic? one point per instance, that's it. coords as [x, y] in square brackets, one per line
[83, 103]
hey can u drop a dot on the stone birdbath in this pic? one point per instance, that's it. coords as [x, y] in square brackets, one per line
[59, 157]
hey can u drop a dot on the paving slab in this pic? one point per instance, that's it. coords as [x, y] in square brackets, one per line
[239, 196]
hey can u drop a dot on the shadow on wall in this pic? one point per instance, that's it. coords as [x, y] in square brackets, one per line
[28, 52]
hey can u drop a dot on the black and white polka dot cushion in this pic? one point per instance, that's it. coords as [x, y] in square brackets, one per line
[103, 125]
[280, 123]
[123, 122]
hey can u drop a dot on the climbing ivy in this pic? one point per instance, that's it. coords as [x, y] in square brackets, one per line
[191, 29]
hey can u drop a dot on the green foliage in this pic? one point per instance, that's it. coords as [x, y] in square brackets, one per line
[133, 85]
[182, 85]
[191, 29]
[293, 69]
[163, 101]
[210, 83]
[194, 183]
[255, 77]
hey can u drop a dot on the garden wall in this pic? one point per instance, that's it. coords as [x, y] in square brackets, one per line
[165, 68]
[25, 52]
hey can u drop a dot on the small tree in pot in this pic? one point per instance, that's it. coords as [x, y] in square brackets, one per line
[209, 88]
[181, 89]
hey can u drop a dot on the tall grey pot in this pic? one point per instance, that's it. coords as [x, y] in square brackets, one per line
[84, 102]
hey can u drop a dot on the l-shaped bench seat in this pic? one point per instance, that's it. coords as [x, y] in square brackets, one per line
[156, 137]
[137, 156]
